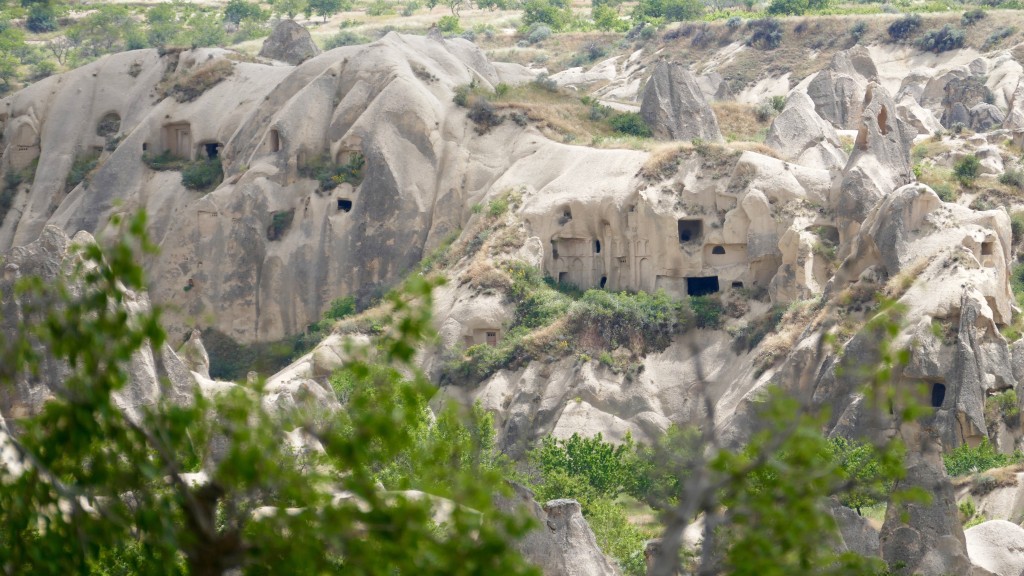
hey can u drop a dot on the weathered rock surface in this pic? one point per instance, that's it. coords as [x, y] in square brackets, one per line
[799, 134]
[289, 42]
[53, 256]
[563, 544]
[997, 546]
[674, 106]
[856, 532]
[838, 91]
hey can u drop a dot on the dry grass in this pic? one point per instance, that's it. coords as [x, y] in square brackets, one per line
[664, 159]
[739, 122]
[902, 281]
[777, 344]
[192, 84]
[755, 147]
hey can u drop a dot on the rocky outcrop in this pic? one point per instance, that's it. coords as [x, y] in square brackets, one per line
[289, 42]
[800, 135]
[856, 533]
[674, 106]
[926, 538]
[879, 163]
[563, 544]
[838, 91]
[152, 373]
[997, 546]
[961, 95]
[984, 117]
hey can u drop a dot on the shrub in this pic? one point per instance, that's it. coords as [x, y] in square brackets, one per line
[553, 13]
[279, 223]
[44, 69]
[734, 23]
[966, 169]
[971, 16]
[766, 34]
[341, 308]
[1013, 177]
[345, 38]
[330, 175]
[630, 123]
[942, 40]
[903, 28]
[641, 322]
[497, 207]
[482, 113]
[109, 125]
[449, 24]
[707, 311]
[998, 36]
[202, 175]
[668, 10]
[1017, 227]
[965, 460]
[41, 18]
[544, 82]
[858, 30]
[1003, 406]
[783, 7]
[380, 8]
[80, 170]
[163, 161]
[945, 192]
[538, 32]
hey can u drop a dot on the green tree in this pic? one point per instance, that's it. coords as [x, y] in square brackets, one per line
[670, 10]
[206, 29]
[554, 13]
[92, 490]
[289, 8]
[966, 170]
[783, 7]
[237, 11]
[163, 26]
[325, 8]
[12, 40]
[860, 465]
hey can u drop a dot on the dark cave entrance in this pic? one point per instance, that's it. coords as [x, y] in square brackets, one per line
[702, 285]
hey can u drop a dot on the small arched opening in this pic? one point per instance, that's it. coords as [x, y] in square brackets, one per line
[210, 150]
[718, 250]
[597, 246]
[275, 140]
[344, 205]
[604, 280]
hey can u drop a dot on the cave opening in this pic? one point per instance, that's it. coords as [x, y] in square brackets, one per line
[702, 285]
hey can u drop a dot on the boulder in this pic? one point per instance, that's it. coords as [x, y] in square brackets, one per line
[798, 134]
[674, 106]
[858, 535]
[289, 42]
[563, 543]
[984, 117]
[961, 94]
[997, 546]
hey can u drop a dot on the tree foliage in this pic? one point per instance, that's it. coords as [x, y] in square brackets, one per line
[93, 490]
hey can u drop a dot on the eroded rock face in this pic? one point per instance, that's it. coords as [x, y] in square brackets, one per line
[856, 532]
[674, 106]
[799, 134]
[52, 256]
[289, 42]
[838, 91]
[927, 538]
[879, 163]
[563, 544]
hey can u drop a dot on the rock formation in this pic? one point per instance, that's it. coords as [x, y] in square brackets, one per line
[997, 546]
[838, 91]
[289, 42]
[800, 135]
[563, 544]
[674, 106]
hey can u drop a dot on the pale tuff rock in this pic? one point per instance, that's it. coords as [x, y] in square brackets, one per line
[879, 163]
[997, 546]
[926, 538]
[289, 42]
[53, 255]
[674, 106]
[856, 533]
[800, 135]
[194, 354]
[838, 91]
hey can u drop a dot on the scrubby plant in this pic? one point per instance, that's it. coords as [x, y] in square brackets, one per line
[942, 40]
[279, 223]
[970, 17]
[345, 38]
[905, 27]
[966, 170]
[196, 82]
[482, 113]
[202, 175]
[998, 36]
[707, 311]
[858, 30]
[538, 32]
[630, 123]
[1003, 406]
[449, 24]
[765, 33]
[1013, 177]
[964, 460]
[330, 174]
[380, 8]
[1017, 227]
[80, 170]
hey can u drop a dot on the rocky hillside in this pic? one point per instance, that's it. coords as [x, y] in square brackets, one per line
[620, 290]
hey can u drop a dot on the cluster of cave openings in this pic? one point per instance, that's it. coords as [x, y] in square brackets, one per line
[690, 230]
[344, 205]
[938, 394]
[702, 285]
